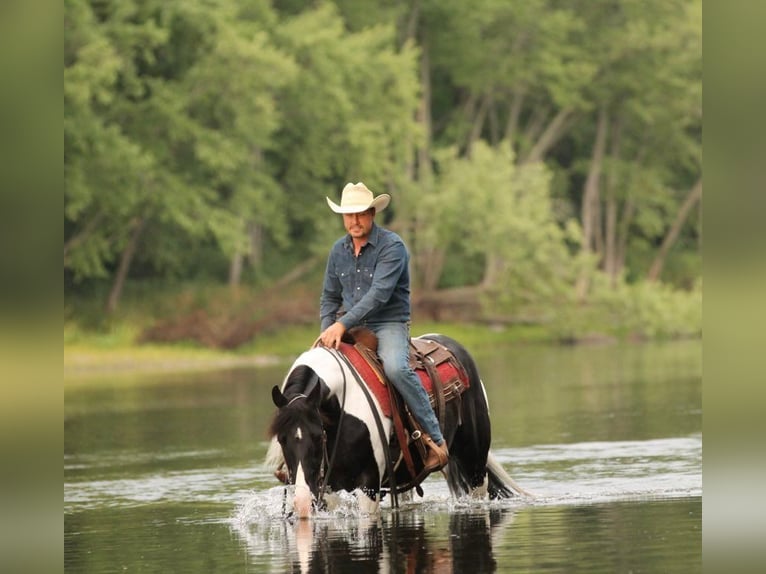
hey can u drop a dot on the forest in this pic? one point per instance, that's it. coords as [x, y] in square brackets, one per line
[543, 158]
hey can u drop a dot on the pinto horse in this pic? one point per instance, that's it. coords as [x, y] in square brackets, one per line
[330, 434]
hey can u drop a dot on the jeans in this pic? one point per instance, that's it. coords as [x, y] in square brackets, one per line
[393, 349]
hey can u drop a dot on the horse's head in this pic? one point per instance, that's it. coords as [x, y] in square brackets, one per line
[298, 428]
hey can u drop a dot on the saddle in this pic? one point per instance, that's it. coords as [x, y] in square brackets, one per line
[440, 373]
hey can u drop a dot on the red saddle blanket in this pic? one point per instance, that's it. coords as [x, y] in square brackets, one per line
[451, 376]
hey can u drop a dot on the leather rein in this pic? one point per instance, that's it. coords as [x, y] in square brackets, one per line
[340, 357]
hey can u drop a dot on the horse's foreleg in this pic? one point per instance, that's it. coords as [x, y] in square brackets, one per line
[367, 504]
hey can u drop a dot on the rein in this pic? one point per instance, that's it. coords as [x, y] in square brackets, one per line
[331, 461]
[389, 465]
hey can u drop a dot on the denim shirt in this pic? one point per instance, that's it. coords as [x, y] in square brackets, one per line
[372, 288]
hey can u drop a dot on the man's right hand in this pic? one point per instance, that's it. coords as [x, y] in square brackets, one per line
[331, 336]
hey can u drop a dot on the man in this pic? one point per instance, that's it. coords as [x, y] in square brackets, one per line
[368, 274]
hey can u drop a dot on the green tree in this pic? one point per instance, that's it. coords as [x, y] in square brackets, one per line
[152, 152]
[349, 114]
[486, 204]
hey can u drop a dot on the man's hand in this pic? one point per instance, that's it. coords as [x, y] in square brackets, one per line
[330, 337]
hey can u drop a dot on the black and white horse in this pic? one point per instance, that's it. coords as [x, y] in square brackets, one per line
[330, 434]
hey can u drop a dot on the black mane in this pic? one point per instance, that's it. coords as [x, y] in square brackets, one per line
[301, 381]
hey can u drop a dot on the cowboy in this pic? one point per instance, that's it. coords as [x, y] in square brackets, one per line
[368, 275]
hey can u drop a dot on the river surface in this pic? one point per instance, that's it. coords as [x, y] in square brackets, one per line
[164, 473]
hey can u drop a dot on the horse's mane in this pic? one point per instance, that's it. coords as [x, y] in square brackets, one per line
[300, 381]
[290, 416]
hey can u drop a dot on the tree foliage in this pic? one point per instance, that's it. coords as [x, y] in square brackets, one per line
[532, 147]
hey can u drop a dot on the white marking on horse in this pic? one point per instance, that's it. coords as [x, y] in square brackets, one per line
[298, 433]
[327, 368]
[303, 497]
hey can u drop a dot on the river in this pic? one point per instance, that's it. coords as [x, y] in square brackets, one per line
[164, 473]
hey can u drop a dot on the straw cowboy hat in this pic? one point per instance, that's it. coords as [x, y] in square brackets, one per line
[356, 198]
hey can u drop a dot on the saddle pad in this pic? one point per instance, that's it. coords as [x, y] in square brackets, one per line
[447, 371]
[369, 376]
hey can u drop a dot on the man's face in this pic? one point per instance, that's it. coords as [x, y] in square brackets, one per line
[359, 225]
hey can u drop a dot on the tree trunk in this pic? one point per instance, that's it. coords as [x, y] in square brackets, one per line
[477, 125]
[296, 273]
[493, 271]
[125, 260]
[410, 29]
[534, 127]
[628, 212]
[424, 114]
[513, 117]
[591, 197]
[692, 198]
[598, 229]
[494, 127]
[552, 134]
[255, 233]
[610, 239]
[235, 269]
[626, 220]
[431, 267]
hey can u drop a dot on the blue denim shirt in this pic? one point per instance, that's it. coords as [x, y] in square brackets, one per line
[371, 288]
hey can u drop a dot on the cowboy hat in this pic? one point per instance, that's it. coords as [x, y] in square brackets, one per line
[356, 198]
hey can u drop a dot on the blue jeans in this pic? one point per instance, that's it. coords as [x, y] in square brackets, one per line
[393, 349]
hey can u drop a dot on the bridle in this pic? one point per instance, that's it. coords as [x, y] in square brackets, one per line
[326, 464]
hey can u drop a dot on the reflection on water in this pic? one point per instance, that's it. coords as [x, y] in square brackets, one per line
[460, 536]
[413, 539]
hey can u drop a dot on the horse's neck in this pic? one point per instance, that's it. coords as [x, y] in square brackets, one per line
[338, 377]
[328, 367]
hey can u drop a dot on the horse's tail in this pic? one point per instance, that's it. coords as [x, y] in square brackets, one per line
[500, 484]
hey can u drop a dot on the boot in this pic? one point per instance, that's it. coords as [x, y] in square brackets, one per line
[438, 455]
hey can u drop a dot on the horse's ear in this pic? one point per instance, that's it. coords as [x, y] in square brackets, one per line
[278, 398]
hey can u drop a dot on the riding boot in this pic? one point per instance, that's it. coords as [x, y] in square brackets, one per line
[438, 454]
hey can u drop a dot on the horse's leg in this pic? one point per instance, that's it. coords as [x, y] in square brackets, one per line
[368, 503]
[470, 445]
[480, 492]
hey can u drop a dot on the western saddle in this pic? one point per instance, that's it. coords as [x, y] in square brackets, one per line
[441, 374]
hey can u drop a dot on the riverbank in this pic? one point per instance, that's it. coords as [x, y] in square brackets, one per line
[116, 351]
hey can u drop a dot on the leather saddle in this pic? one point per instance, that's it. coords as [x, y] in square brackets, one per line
[440, 373]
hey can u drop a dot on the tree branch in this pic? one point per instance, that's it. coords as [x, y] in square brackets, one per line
[556, 128]
[694, 195]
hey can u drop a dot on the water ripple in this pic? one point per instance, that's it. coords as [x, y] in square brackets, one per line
[555, 473]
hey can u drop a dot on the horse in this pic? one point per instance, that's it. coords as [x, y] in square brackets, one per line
[329, 433]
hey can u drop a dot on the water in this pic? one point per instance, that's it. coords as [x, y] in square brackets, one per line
[164, 474]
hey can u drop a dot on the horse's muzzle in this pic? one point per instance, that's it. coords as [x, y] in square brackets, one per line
[302, 501]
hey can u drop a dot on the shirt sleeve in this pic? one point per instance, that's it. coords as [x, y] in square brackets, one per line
[331, 298]
[388, 270]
